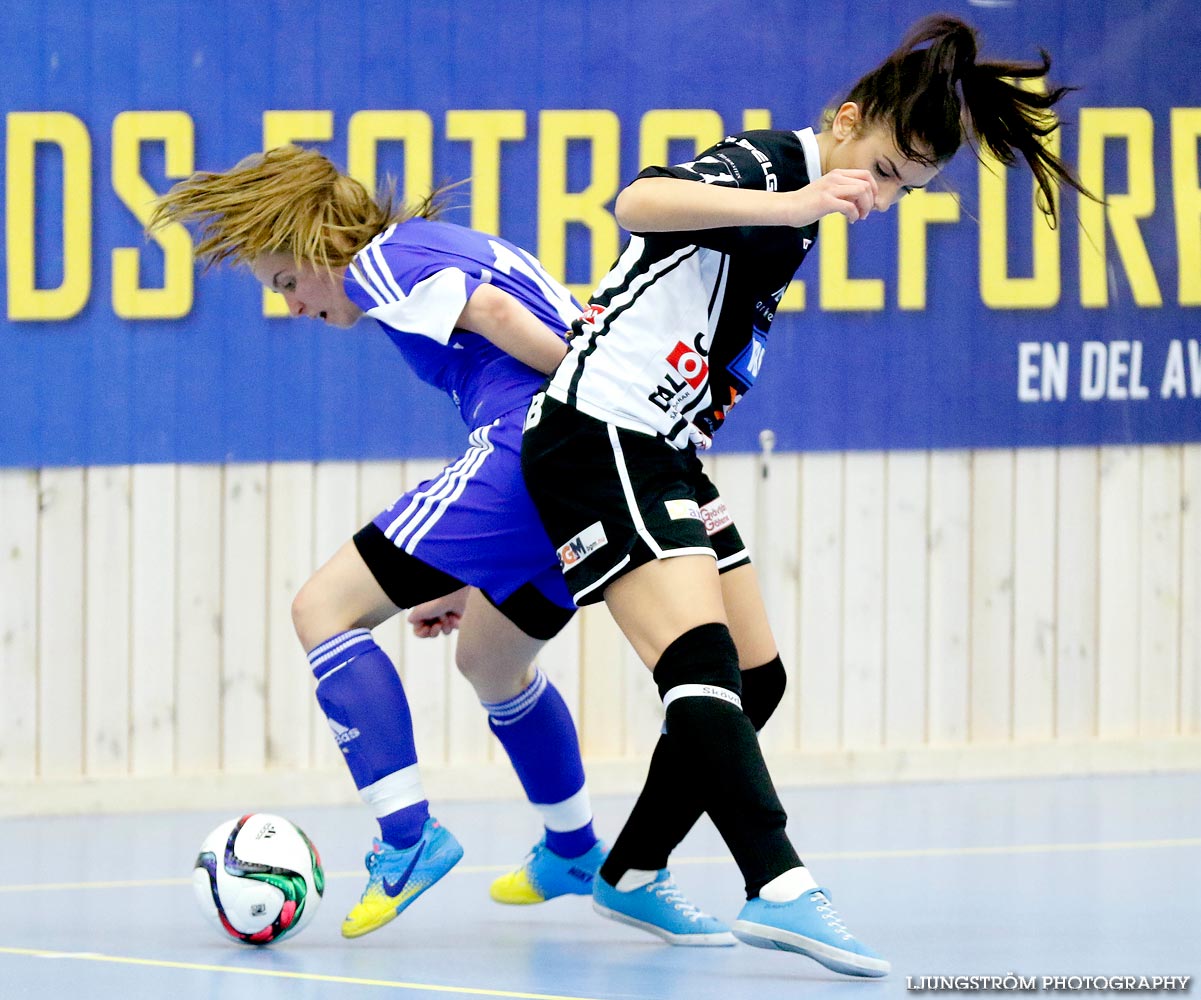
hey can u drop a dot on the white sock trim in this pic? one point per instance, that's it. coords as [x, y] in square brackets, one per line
[635, 878]
[394, 791]
[570, 814]
[788, 886]
[700, 691]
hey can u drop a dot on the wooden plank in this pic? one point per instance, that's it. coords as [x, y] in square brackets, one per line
[428, 665]
[905, 597]
[1159, 593]
[152, 705]
[198, 619]
[737, 479]
[820, 661]
[991, 639]
[601, 718]
[19, 623]
[335, 520]
[863, 601]
[778, 567]
[1034, 633]
[949, 596]
[643, 706]
[244, 614]
[289, 565]
[1190, 591]
[106, 621]
[1076, 594]
[380, 483]
[1118, 562]
[61, 635]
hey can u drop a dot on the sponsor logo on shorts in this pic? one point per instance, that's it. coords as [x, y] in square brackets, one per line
[682, 508]
[582, 546]
[715, 516]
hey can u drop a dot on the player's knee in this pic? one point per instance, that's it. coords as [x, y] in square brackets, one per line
[494, 677]
[705, 655]
[763, 690]
[312, 614]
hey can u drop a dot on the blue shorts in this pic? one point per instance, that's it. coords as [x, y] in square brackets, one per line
[476, 522]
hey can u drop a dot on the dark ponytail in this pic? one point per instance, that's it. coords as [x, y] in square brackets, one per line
[934, 94]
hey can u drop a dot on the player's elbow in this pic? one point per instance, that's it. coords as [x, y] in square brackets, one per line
[632, 208]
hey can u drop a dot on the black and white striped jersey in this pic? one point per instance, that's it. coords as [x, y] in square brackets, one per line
[675, 333]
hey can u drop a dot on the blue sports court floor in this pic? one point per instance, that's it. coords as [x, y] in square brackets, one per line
[1042, 877]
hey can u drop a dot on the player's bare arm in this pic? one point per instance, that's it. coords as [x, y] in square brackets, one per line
[669, 204]
[498, 317]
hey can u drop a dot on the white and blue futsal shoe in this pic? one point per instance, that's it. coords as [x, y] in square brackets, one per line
[658, 907]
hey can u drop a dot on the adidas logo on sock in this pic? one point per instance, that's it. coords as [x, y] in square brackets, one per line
[343, 734]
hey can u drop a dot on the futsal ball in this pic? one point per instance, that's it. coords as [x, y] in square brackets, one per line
[258, 878]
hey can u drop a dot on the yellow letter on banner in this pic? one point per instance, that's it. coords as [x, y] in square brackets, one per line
[1186, 185]
[1122, 211]
[26, 129]
[839, 291]
[279, 129]
[175, 130]
[997, 289]
[557, 206]
[659, 127]
[485, 130]
[367, 129]
[916, 211]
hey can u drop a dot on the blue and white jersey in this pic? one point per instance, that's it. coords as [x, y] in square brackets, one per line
[415, 278]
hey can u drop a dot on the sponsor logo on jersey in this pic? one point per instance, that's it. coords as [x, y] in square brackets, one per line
[714, 169]
[682, 508]
[745, 367]
[693, 370]
[715, 516]
[592, 314]
[582, 546]
[690, 363]
[764, 161]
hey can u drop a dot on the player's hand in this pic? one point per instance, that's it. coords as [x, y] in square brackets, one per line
[440, 616]
[849, 192]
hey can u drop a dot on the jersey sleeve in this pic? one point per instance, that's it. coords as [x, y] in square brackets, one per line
[410, 290]
[761, 160]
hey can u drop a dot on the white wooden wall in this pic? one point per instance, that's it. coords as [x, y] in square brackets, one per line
[923, 602]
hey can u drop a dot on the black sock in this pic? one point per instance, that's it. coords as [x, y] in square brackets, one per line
[714, 743]
[669, 804]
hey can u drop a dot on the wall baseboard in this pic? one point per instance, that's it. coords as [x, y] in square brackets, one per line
[280, 789]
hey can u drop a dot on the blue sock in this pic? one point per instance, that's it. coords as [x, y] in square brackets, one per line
[537, 732]
[361, 695]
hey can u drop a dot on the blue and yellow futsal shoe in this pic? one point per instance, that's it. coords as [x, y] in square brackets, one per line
[544, 875]
[808, 925]
[659, 908]
[397, 877]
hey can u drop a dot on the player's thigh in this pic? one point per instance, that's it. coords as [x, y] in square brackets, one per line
[342, 594]
[659, 601]
[747, 614]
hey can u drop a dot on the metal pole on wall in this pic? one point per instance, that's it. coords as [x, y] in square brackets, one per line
[762, 554]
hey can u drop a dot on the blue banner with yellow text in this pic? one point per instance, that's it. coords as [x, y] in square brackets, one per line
[956, 320]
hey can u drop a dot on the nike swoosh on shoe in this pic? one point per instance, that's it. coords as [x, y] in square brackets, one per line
[396, 888]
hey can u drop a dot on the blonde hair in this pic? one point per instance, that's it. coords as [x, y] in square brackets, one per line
[286, 200]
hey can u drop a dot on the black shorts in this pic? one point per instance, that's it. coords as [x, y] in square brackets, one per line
[612, 499]
[409, 581]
